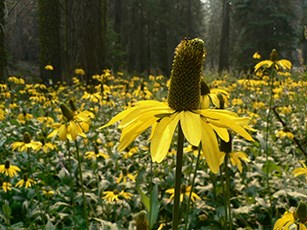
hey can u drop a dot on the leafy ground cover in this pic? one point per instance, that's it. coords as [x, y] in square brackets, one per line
[60, 171]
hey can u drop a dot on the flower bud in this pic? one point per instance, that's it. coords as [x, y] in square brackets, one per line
[68, 114]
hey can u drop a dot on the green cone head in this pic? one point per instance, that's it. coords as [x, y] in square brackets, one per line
[273, 55]
[184, 92]
[300, 213]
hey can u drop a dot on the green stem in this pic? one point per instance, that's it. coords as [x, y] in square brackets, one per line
[151, 195]
[176, 209]
[82, 188]
[192, 187]
[227, 190]
[267, 150]
[70, 169]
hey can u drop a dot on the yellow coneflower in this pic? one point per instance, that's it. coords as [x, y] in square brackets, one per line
[198, 125]
[124, 175]
[25, 182]
[115, 195]
[256, 55]
[6, 186]
[79, 71]
[48, 67]
[9, 170]
[185, 191]
[75, 124]
[96, 154]
[273, 62]
[293, 219]
[24, 116]
[26, 144]
[236, 158]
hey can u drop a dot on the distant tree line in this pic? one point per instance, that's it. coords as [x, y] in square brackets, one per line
[139, 36]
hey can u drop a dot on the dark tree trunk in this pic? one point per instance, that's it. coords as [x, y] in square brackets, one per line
[50, 45]
[86, 28]
[2, 47]
[224, 50]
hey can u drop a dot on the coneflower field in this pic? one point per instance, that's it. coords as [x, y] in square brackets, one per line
[72, 157]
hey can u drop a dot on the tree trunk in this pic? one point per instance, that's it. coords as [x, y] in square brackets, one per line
[2, 47]
[224, 50]
[86, 28]
[50, 45]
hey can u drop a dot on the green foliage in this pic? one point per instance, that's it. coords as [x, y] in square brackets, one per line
[55, 201]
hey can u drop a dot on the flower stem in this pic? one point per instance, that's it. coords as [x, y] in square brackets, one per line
[82, 188]
[176, 209]
[227, 191]
[192, 187]
[267, 150]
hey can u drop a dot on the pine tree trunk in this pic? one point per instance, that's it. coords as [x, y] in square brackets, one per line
[2, 47]
[224, 50]
[50, 45]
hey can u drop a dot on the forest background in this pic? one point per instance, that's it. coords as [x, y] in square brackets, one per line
[139, 36]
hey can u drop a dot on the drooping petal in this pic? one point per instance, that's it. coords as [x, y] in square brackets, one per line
[265, 63]
[118, 117]
[62, 132]
[285, 64]
[210, 147]
[162, 137]
[140, 113]
[235, 161]
[226, 120]
[221, 132]
[191, 125]
[73, 130]
[53, 133]
[131, 132]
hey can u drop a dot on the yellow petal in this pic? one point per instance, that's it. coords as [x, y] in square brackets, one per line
[132, 131]
[265, 63]
[170, 190]
[73, 130]
[117, 118]
[140, 113]
[221, 132]
[235, 161]
[53, 133]
[243, 156]
[285, 64]
[162, 137]
[191, 126]
[210, 147]
[299, 171]
[227, 120]
[62, 132]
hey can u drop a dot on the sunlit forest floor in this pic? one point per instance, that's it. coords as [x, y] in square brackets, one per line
[49, 134]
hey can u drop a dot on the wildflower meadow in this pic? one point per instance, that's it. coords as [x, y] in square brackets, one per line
[193, 150]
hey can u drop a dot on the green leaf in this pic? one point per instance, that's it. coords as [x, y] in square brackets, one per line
[151, 205]
[270, 167]
[7, 211]
[2, 142]
[155, 205]
[49, 225]
[145, 200]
